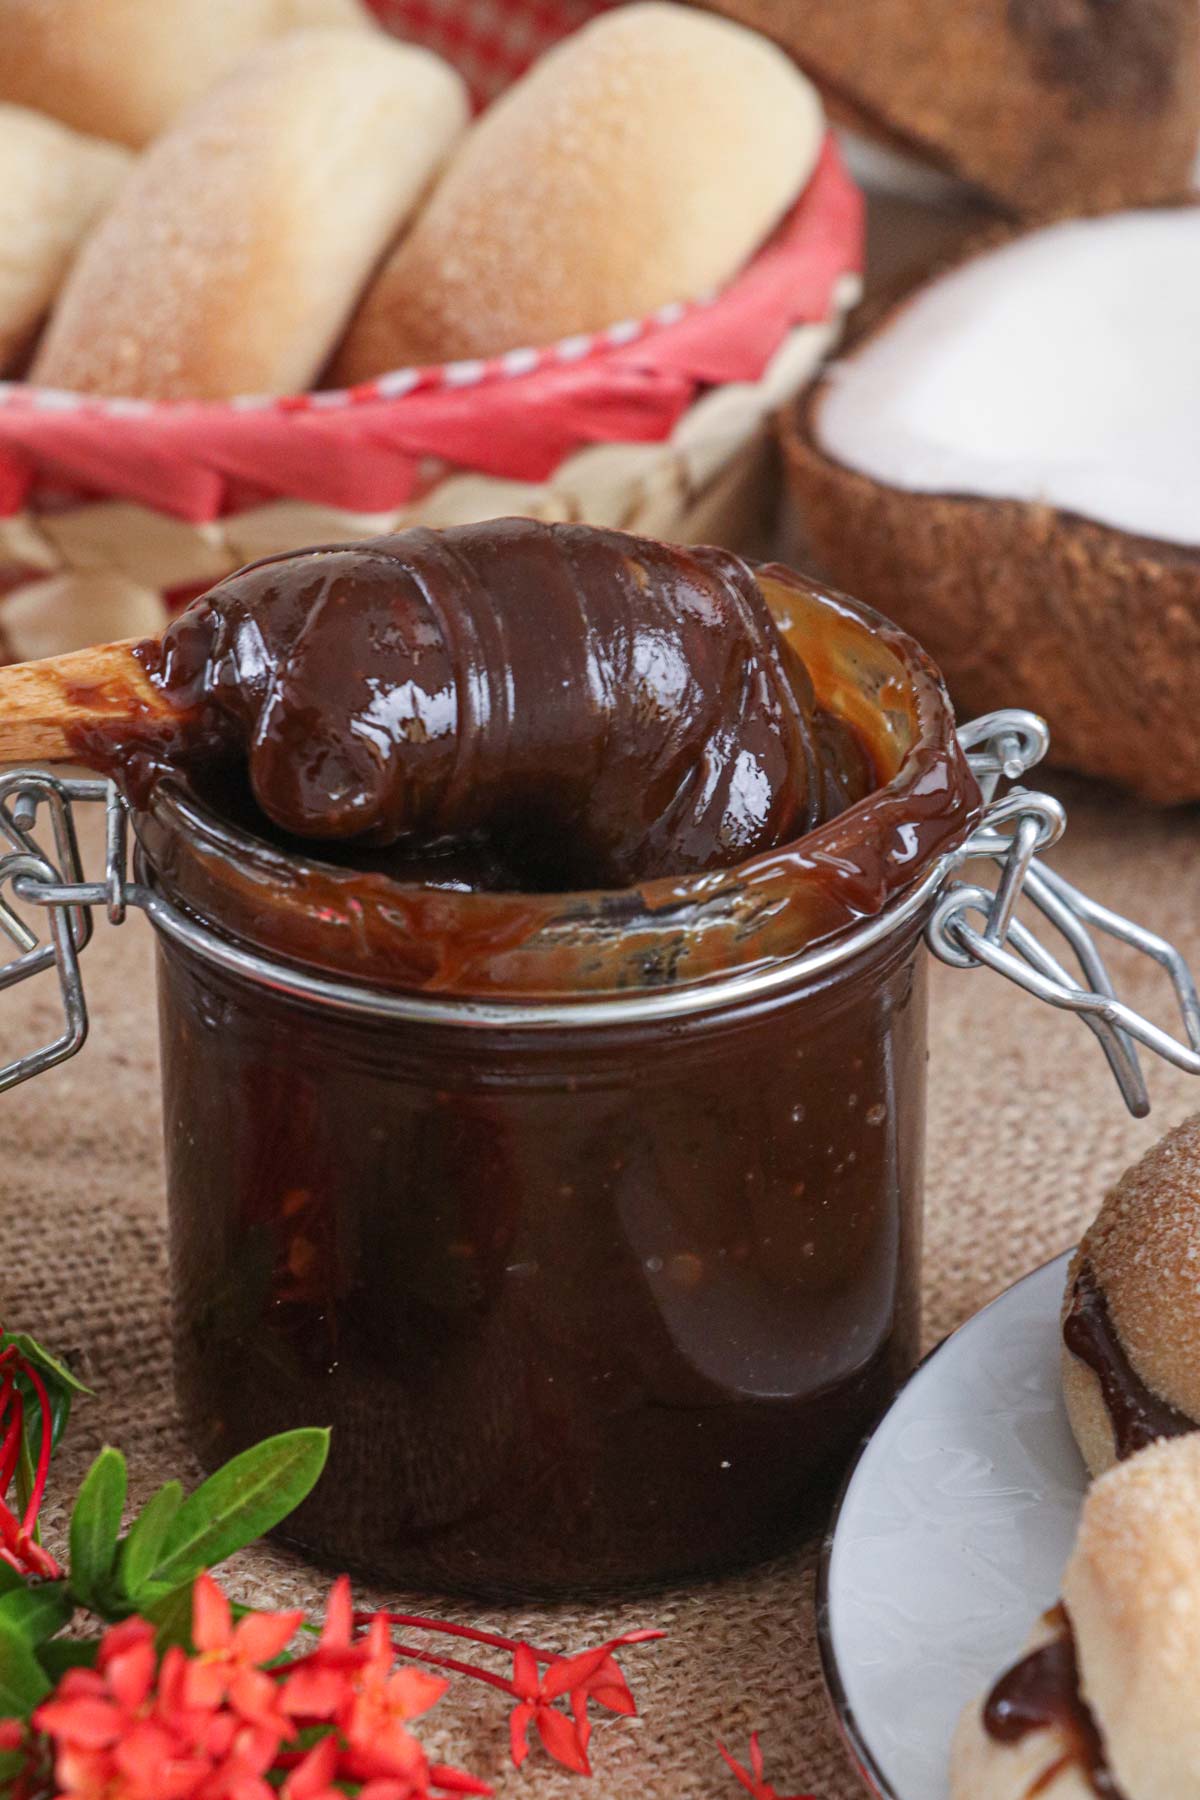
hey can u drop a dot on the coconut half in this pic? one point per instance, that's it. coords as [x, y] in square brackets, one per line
[1008, 463]
[1052, 106]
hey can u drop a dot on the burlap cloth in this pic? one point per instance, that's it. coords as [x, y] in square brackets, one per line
[1025, 1129]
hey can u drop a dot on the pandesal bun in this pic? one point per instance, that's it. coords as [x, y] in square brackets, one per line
[641, 161]
[1125, 1705]
[983, 1769]
[236, 250]
[1132, 1591]
[53, 184]
[1143, 1250]
[123, 69]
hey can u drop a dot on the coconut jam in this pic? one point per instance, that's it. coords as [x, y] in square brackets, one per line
[1137, 1414]
[588, 1305]
[1042, 1693]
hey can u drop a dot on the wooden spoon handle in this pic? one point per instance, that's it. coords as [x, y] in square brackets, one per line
[49, 710]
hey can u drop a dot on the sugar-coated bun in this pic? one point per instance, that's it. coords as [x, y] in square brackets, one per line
[123, 69]
[983, 1769]
[1144, 1249]
[237, 248]
[641, 161]
[53, 184]
[1132, 1590]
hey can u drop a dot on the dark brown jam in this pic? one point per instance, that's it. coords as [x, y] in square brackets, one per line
[1139, 1417]
[587, 1306]
[515, 705]
[1042, 1693]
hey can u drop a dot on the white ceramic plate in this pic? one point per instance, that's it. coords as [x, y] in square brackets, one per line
[950, 1538]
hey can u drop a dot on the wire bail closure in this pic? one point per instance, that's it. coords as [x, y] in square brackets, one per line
[971, 925]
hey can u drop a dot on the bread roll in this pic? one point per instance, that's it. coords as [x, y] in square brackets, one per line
[53, 183]
[238, 246]
[1143, 1252]
[1039, 1764]
[123, 69]
[1131, 1609]
[641, 161]
[1132, 1590]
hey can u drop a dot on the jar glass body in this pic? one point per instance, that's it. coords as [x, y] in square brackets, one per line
[587, 1307]
[592, 1225]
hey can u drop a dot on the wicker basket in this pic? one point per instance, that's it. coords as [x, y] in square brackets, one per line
[659, 425]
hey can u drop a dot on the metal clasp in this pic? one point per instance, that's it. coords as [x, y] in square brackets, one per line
[54, 881]
[1017, 825]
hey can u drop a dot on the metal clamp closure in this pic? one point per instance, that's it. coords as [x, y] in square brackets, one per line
[971, 925]
[53, 880]
[1015, 828]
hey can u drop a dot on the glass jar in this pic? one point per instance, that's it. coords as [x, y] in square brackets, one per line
[591, 1223]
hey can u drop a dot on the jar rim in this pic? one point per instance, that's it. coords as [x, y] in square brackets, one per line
[653, 1005]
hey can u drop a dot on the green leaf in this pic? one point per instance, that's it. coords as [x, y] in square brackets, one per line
[171, 1612]
[44, 1362]
[242, 1501]
[23, 1681]
[145, 1538]
[36, 1612]
[68, 1653]
[95, 1528]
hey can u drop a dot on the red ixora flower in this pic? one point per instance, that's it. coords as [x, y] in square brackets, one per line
[237, 1718]
[352, 1683]
[227, 1664]
[591, 1675]
[752, 1778]
[220, 1724]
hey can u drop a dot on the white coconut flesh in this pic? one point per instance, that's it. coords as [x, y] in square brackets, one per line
[1062, 369]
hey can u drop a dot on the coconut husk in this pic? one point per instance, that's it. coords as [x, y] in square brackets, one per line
[1051, 106]
[1024, 605]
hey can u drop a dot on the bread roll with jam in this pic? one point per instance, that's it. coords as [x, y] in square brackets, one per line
[1131, 1314]
[238, 246]
[53, 184]
[641, 161]
[123, 69]
[1106, 1700]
